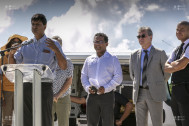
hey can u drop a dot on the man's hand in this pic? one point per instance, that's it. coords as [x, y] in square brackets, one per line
[50, 43]
[101, 90]
[11, 54]
[91, 91]
[55, 98]
[118, 122]
[13, 51]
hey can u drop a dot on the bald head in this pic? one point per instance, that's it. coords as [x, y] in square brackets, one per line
[184, 23]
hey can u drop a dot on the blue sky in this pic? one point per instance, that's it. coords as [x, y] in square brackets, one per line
[76, 21]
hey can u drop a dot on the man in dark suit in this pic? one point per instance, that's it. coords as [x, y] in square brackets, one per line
[177, 64]
[149, 79]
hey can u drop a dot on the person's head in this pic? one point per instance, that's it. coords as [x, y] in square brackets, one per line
[100, 43]
[182, 31]
[145, 37]
[39, 23]
[14, 40]
[57, 38]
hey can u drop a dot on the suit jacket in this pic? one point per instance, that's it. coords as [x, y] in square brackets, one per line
[156, 77]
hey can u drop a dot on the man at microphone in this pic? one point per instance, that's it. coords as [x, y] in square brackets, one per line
[42, 50]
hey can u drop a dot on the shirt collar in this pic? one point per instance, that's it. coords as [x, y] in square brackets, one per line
[147, 49]
[185, 43]
[106, 54]
[41, 40]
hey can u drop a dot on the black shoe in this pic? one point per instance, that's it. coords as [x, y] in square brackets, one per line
[55, 117]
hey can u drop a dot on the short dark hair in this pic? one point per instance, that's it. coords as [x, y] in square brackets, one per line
[39, 17]
[185, 23]
[102, 35]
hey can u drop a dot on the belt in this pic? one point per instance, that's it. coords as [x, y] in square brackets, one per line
[181, 83]
[144, 87]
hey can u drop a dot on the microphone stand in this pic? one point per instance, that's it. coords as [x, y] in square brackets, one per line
[2, 53]
[1, 103]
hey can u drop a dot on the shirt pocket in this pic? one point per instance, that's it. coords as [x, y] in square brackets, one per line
[46, 57]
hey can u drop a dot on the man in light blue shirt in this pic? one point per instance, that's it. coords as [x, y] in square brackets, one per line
[100, 75]
[42, 51]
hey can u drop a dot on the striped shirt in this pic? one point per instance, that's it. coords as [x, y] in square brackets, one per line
[60, 79]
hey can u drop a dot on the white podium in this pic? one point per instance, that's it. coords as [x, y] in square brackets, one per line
[34, 73]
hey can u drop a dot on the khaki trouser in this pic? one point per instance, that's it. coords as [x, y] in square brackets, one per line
[62, 109]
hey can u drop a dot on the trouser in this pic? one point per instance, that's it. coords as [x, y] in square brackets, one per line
[144, 104]
[180, 104]
[47, 100]
[62, 109]
[8, 107]
[100, 106]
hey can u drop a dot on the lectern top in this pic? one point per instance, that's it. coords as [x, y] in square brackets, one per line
[27, 71]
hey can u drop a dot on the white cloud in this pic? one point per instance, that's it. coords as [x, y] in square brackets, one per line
[187, 17]
[7, 8]
[75, 28]
[85, 18]
[130, 17]
[121, 47]
[154, 7]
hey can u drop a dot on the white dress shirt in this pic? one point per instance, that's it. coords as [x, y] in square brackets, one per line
[101, 71]
[186, 54]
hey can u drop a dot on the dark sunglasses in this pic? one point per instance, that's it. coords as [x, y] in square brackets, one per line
[141, 36]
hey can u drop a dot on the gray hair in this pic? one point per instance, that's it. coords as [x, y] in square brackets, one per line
[148, 29]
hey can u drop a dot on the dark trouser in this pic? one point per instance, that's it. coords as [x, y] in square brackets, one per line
[47, 100]
[180, 104]
[100, 106]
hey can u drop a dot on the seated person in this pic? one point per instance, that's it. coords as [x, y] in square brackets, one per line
[119, 101]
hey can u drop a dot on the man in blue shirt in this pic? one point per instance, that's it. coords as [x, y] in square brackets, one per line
[42, 51]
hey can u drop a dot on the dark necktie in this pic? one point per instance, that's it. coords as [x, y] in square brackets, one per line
[144, 78]
[180, 51]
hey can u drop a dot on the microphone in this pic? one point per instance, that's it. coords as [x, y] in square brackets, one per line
[5, 68]
[43, 67]
[27, 42]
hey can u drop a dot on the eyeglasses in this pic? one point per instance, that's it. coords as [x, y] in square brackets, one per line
[98, 42]
[141, 36]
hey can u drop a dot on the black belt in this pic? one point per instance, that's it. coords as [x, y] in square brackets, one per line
[144, 87]
[181, 83]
